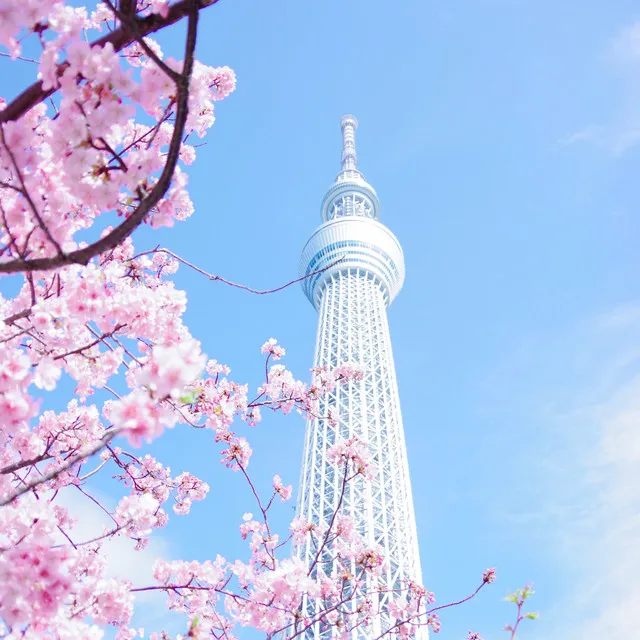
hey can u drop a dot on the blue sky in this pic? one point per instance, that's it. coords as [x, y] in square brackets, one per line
[503, 138]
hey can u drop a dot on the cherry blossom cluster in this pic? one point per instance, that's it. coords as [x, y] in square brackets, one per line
[353, 453]
[146, 476]
[65, 164]
[272, 347]
[280, 489]
[215, 401]
[282, 391]
[406, 607]
[48, 586]
[268, 593]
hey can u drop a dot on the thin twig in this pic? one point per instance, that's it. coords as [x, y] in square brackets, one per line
[4, 54]
[91, 344]
[28, 486]
[214, 277]
[24, 191]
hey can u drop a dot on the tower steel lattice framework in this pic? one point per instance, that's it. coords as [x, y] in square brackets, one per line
[351, 297]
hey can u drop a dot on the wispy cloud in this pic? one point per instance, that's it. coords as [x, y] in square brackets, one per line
[605, 553]
[624, 49]
[601, 544]
[622, 132]
[124, 562]
[616, 137]
[585, 507]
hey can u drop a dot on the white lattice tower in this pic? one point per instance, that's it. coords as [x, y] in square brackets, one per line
[352, 297]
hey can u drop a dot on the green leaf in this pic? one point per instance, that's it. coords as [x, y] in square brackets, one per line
[189, 397]
[532, 616]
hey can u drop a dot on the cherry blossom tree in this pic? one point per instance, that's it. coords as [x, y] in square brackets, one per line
[94, 148]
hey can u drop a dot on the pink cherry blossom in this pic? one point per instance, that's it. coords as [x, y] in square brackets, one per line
[171, 368]
[434, 622]
[138, 417]
[272, 347]
[160, 6]
[489, 576]
[47, 373]
[34, 581]
[237, 454]
[137, 514]
[280, 489]
[353, 453]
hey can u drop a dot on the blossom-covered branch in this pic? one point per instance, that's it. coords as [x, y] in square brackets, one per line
[147, 201]
[118, 39]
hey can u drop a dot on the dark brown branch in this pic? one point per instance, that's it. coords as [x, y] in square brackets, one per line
[128, 8]
[123, 231]
[98, 340]
[119, 38]
[28, 486]
[16, 466]
[128, 20]
[25, 313]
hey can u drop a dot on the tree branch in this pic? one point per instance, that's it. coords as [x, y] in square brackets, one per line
[119, 38]
[28, 486]
[128, 20]
[123, 231]
[244, 287]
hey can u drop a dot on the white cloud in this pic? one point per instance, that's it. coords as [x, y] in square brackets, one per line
[624, 49]
[123, 561]
[612, 561]
[622, 132]
[616, 137]
[588, 502]
[622, 316]
[603, 547]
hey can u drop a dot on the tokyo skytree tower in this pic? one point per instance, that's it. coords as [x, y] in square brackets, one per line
[351, 298]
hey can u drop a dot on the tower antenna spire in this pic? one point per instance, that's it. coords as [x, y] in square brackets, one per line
[350, 194]
[349, 124]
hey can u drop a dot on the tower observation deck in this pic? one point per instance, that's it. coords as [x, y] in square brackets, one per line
[365, 273]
